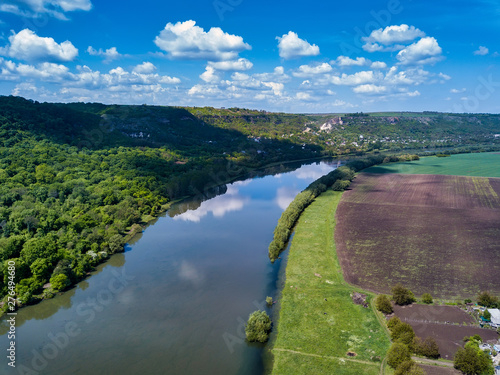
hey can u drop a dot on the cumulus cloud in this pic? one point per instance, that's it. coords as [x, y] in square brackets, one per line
[425, 51]
[378, 65]
[369, 89]
[210, 75]
[347, 61]
[481, 51]
[359, 78]
[185, 40]
[28, 46]
[458, 91]
[291, 46]
[109, 55]
[145, 68]
[392, 38]
[311, 70]
[240, 64]
[54, 8]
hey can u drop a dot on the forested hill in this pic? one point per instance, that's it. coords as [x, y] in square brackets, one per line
[77, 179]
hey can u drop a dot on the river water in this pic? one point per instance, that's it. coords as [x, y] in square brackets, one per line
[176, 301]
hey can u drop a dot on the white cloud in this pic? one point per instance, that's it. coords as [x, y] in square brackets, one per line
[482, 51]
[346, 61]
[145, 68]
[355, 79]
[369, 89]
[458, 91]
[305, 96]
[425, 51]
[443, 76]
[109, 55]
[291, 46]
[310, 70]
[26, 45]
[378, 65]
[210, 75]
[240, 64]
[185, 40]
[391, 38]
[34, 8]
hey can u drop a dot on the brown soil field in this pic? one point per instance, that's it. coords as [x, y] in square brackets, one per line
[436, 370]
[449, 337]
[433, 314]
[432, 233]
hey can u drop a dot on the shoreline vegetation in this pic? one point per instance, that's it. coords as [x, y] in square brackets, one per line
[320, 328]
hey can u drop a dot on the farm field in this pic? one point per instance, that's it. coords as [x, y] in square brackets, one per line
[434, 234]
[480, 164]
[447, 324]
[319, 323]
[434, 314]
[436, 370]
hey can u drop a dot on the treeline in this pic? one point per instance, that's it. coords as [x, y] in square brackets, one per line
[338, 180]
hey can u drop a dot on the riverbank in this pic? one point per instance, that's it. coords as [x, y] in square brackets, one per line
[320, 329]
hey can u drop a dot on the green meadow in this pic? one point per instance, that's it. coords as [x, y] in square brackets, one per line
[481, 164]
[319, 324]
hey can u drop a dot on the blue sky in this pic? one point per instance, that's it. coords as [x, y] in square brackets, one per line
[308, 56]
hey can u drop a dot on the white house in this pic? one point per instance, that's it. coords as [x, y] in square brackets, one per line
[495, 317]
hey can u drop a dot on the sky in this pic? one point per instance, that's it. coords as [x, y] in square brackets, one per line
[288, 56]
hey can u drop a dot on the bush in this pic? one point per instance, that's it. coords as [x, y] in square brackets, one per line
[427, 298]
[59, 282]
[403, 332]
[487, 315]
[393, 322]
[428, 347]
[397, 354]
[269, 301]
[486, 299]
[258, 327]
[402, 296]
[383, 304]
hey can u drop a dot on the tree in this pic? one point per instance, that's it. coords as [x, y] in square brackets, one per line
[115, 244]
[427, 298]
[428, 347]
[486, 299]
[471, 361]
[397, 354]
[258, 327]
[487, 315]
[269, 301]
[59, 282]
[383, 304]
[402, 296]
[409, 368]
[404, 333]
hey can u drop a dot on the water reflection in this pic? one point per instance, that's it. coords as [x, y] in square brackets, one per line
[285, 196]
[218, 206]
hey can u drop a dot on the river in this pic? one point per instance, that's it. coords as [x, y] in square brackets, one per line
[175, 302]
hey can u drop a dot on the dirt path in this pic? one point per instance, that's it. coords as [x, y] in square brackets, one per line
[426, 361]
[325, 356]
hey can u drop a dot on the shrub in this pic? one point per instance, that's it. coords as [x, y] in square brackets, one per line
[394, 321]
[402, 296]
[269, 301]
[427, 298]
[487, 315]
[397, 354]
[258, 327]
[486, 299]
[428, 347]
[383, 304]
[59, 282]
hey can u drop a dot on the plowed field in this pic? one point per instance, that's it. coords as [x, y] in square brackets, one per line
[433, 233]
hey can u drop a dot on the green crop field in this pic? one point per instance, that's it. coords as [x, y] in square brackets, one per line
[480, 164]
[319, 323]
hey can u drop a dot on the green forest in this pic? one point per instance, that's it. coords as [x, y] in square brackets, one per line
[78, 180]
